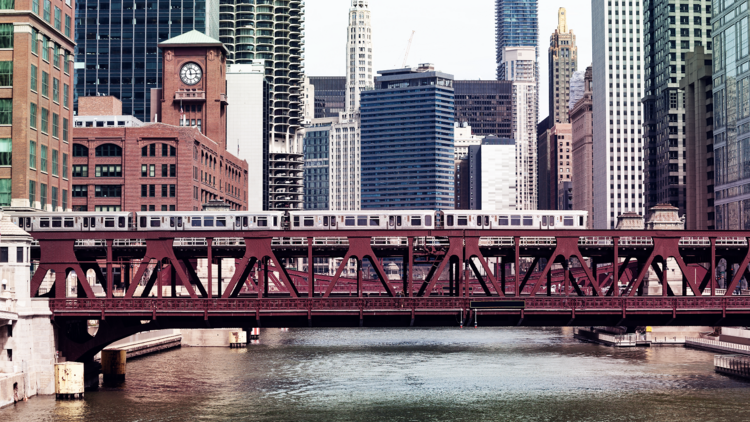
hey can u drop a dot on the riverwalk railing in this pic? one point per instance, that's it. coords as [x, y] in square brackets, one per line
[715, 345]
[732, 365]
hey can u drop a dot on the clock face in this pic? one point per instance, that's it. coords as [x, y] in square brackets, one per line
[191, 73]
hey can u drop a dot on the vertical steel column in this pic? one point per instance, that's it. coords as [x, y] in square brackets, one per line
[157, 268]
[265, 276]
[616, 266]
[218, 278]
[409, 280]
[359, 277]
[173, 280]
[209, 252]
[126, 275]
[664, 285]
[110, 276]
[712, 267]
[310, 269]
[451, 279]
[566, 275]
[517, 269]
[502, 273]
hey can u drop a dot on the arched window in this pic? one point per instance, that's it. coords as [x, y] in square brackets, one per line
[108, 150]
[80, 151]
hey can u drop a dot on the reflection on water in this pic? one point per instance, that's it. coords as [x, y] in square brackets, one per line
[483, 374]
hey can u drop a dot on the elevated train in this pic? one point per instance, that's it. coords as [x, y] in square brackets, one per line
[299, 220]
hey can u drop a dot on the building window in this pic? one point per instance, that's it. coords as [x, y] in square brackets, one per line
[108, 150]
[163, 207]
[67, 26]
[172, 151]
[144, 192]
[6, 151]
[48, 11]
[152, 150]
[32, 115]
[45, 48]
[172, 191]
[152, 170]
[32, 154]
[35, 6]
[56, 55]
[33, 77]
[80, 171]
[7, 4]
[164, 191]
[5, 192]
[45, 120]
[65, 129]
[6, 111]
[32, 193]
[173, 170]
[164, 170]
[164, 150]
[6, 73]
[152, 207]
[54, 162]
[6, 35]
[56, 90]
[58, 18]
[108, 171]
[108, 208]
[55, 125]
[4, 254]
[108, 191]
[53, 197]
[65, 95]
[80, 191]
[152, 190]
[35, 37]
[65, 166]
[45, 84]
[43, 195]
[80, 151]
[144, 170]
[44, 158]
[65, 200]
[144, 151]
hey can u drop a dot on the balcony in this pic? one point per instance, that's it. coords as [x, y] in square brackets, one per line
[190, 96]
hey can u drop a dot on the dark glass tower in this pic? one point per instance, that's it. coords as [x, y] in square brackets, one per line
[516, 25]
[330, 95]
[116, 52]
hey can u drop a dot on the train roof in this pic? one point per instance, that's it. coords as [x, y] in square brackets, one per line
[355, 213]
[183, 213]
[516, 212]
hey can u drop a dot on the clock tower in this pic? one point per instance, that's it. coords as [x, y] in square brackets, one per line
[194, 85]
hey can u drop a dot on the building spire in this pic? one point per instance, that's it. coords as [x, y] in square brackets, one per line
[562, 21]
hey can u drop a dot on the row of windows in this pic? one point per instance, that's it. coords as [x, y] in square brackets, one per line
[100, 191]
[167, 191]
[45, 84]
[43, 164]
[167, 170]
[166, 151]
[99, 171]
[43, 195]
[106, 150]
[33, 121]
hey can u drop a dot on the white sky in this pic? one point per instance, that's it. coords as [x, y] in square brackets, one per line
[458, 40]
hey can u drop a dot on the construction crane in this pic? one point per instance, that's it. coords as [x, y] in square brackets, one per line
[408, 47]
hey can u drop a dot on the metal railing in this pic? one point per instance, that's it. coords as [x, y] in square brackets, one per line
[718, 345]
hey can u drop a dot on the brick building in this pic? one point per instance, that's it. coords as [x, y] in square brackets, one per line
[36, 48]
[176, 165]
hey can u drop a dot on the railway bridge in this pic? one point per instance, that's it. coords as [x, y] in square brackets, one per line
[159, 279]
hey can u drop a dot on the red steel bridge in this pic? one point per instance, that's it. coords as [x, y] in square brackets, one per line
[150, 280]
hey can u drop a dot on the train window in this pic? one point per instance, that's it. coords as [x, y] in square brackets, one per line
[68, 222]
[208, 221]
[275, 221]
[263, 221]
[171, 221]
[568, 221]
[580, 221]
[221, 222]
[179, 221]
[463, 220]
[391, 221]
[28, 222]
[295, 221]
[44, 222]
[416, 220]
[449, 220]
[196, 222]
[333, 221]
[487, 220]
[109, 222]
[428, 220]
[374, 221]
[398, 220]
[141, 223]
[528, 220]
[515, 220]
[93, 222]
[121, 222]
[56, 222]
[544, 220]
[362, 220]
[349, 221]
[85, 222]
[244, 221]
[155, 222]
[551, 219]
[237, 221]
[503, 220]
[325, 221]
[309, 221]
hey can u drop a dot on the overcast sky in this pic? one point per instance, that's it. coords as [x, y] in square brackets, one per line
[458, 37]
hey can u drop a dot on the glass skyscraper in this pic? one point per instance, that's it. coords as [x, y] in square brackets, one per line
[317, 171]
[516, 25]
[117, 53]
[407, 140]
[731, 124]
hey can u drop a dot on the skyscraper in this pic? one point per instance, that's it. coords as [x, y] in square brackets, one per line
[359, 50]
[617, 91]
[582, 124]
[516, 43]
[731, 119]
[35, 110]
[487, 106]
[273, 32]
[670, 31]
[407, 151]
[329, 95]
[116, 51]
[563, 61]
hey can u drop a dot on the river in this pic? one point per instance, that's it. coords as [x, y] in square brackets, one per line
[483, 374]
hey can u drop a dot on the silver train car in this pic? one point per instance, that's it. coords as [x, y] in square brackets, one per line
[72, 221]
[215, 221]
[503, 220]
[362, 220]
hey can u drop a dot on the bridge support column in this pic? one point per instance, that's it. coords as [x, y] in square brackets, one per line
[616, 267]
[113, 365]
[209, 246]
